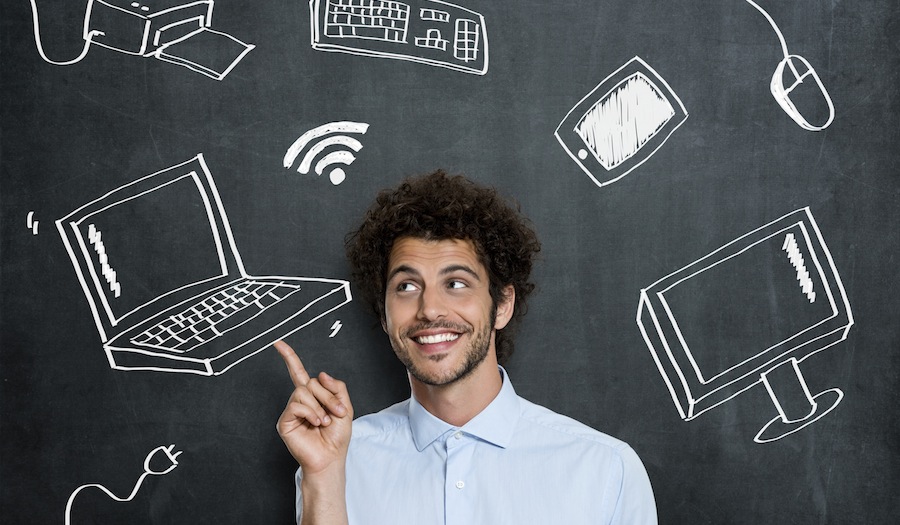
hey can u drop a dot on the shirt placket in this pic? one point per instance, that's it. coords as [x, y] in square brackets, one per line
[459, 483]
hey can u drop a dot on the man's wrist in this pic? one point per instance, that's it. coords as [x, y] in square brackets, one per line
[324, 495]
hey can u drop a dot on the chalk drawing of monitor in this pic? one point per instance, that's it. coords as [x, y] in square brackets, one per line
[750, 312]
[158, 264]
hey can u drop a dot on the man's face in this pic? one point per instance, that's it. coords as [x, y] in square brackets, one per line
[439, 313]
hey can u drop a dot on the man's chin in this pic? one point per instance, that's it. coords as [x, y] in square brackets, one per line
[440, 367]
[442, 376]
[424, 374]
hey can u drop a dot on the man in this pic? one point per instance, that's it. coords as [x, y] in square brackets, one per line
[446, 263]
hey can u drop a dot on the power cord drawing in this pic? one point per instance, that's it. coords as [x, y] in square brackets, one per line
[148, 470]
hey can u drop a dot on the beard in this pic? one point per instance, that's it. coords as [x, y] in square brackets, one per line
[474, 355]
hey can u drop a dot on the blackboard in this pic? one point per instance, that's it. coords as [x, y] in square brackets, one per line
[717, 182]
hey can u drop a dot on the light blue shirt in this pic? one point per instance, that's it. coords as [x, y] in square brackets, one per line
[514, 463]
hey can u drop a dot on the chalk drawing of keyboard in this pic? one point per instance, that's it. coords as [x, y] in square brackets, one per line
[428, 31]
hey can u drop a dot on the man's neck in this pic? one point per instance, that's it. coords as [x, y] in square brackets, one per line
[460, 401]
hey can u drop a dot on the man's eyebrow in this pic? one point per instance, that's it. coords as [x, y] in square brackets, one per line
[403, 268]
[460, 268]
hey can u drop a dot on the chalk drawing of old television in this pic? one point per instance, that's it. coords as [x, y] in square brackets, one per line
[158, 264]
[426, 31]
[176, 31]
[750, 312]
[621, 123]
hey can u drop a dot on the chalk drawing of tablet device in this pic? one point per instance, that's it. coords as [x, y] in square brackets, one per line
[750, 312]
[158, 264]
[621, 123]
[426, 31]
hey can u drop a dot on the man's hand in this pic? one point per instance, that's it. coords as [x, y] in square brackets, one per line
[316, 426]
[316, 423]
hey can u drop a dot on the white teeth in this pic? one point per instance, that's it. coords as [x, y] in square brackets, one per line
[438, 338]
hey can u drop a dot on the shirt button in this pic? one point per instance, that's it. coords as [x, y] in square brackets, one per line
[460, 484]
[458, 435]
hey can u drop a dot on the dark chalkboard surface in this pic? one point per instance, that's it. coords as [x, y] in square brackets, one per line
[716, 184]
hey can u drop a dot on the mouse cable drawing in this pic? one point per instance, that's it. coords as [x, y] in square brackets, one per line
[37, 39]
[782, 94]
[148, 470]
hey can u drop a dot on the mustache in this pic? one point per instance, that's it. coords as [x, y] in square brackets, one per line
[438, 325]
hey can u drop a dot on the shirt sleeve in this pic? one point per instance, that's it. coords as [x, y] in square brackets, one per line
[636, 505]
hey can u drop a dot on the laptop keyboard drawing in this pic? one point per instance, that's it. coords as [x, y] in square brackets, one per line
[157, 262]
[213, 316]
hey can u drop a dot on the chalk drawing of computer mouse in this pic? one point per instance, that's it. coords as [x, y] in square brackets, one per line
[175, 31]
[796, 69]
[795, 74]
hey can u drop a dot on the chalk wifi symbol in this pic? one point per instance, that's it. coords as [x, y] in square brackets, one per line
[331, 135]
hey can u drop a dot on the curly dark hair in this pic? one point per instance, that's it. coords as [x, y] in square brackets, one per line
[437, 207]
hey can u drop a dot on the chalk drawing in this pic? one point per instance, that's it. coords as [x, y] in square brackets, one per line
[796, 257]
[31, 223]
[750, 312]
[798, 69]
[165, 282]
[335, 328]
[170, 459]
[175, 31]
[333, 136]
[109, 275]
[426, 31]
[621, 123]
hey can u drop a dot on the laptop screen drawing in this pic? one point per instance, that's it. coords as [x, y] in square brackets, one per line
[157, 262]
[141, 238]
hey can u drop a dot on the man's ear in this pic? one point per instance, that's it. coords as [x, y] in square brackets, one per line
[381, 311]
[505, 307]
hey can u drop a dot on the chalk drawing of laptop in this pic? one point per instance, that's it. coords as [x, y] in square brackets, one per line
[165, 282]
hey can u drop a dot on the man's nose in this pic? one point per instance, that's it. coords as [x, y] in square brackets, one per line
[432, 304]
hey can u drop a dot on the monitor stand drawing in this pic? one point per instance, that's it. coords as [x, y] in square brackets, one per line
[750, 312]
[797, 407]
[165, 282]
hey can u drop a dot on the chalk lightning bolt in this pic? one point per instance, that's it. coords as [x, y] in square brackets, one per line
[336, 327]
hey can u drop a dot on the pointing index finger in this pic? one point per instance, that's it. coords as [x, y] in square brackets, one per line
[298, 373]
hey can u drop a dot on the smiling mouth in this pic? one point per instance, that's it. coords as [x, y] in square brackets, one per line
[436, 338]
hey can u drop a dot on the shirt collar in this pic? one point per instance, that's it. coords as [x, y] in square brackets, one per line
[495, 424]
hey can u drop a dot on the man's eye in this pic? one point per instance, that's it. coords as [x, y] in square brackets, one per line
[456, 284]
[406, 287]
